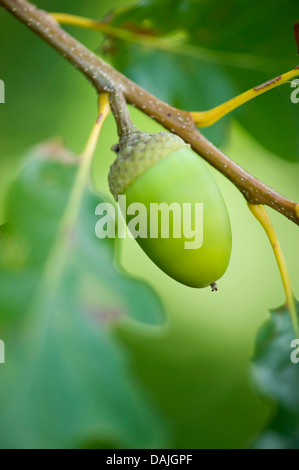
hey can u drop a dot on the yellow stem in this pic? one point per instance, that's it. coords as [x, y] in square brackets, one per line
[176, 42]
[89, 150]
[54, 266]
[262, 216]
[118, 33]
[207, 118]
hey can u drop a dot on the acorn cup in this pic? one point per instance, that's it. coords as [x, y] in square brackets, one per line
[175, 187]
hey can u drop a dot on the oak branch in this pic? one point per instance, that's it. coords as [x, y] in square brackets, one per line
[105, 78]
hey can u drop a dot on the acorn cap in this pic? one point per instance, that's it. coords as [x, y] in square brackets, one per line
[136, 152]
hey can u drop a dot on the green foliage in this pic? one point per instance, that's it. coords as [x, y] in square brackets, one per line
[277, 378]
[67, 381]
[216, 50]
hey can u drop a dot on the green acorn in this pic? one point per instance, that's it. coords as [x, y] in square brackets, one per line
[182, 222]
[161, 168]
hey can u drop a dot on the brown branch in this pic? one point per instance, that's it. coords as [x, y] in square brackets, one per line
[106, 78]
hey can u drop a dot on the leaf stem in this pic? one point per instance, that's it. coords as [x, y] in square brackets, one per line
[262, 216]
[207, 118]
[89, 150]
[54, 266]
[176, 43]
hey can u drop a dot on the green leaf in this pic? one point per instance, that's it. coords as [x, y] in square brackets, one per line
[35, 208]
[211, 24]
[67, 382]
[206, 53]
[277, 379]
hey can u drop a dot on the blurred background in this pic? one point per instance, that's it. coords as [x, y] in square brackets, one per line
[195, 369]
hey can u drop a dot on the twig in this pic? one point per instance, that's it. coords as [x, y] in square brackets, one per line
[106, 78]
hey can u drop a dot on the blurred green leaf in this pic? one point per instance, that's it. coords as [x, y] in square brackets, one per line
[277, 379]
[35, 206]
[66, 381]
[225, 49]
[216, 25]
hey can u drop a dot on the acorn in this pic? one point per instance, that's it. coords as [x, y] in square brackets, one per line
[160, 168]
